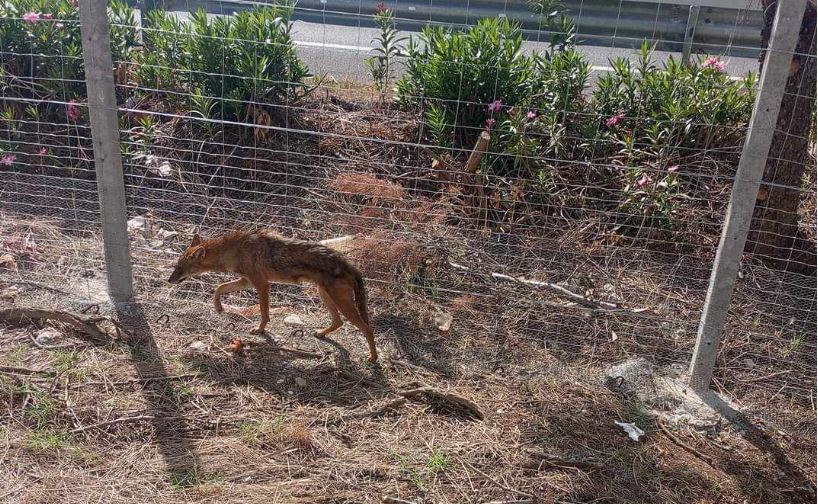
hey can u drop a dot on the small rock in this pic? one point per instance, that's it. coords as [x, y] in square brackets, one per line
[301, 382]
[443, 321]
[164, 234]
[47, 336]
[137, 223]
[749, 363]
[199, 346]
[7, 262]
[9, 293]
[633, 431]
[293, 319]
[164, 169]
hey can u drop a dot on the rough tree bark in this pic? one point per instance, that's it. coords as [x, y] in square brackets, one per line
[774, 232]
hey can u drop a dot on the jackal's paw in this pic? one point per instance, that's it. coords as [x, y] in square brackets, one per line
[218, 307]
[257, 330]
[318, 334]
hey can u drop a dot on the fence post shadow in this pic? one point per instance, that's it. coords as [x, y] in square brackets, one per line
[169, 424]
[760, 439]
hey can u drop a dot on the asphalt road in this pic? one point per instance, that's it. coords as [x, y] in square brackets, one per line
[340, 52]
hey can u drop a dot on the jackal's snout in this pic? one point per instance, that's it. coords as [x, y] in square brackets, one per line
[176, 277]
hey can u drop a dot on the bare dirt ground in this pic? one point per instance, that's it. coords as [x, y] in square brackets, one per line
[164, 411]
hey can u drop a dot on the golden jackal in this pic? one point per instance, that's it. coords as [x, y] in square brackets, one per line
[261, 257]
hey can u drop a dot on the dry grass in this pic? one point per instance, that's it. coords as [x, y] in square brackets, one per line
[149, 419]
[369, 187]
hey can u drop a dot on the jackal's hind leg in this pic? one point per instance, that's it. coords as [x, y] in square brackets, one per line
[333, 312]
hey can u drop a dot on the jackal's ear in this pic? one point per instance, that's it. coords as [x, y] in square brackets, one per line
[199, 253]
[196, 240]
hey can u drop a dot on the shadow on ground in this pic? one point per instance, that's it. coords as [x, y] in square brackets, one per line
[169, 424]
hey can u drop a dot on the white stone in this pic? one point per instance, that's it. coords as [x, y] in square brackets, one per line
[199, 346]
[47, 336]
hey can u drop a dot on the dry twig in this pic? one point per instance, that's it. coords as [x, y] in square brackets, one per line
[85, 325]
[447, 397]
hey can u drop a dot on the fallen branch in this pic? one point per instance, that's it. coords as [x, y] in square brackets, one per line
[392, 405]
[579, 299]
[541, 460]
[388, 499]
[678, 442]
[24, 371]
[452, 399]
[141, 381]
[359, 379]
[501, 485]
[85, 325]
[573, 296]
[112, 422]
[304, 354]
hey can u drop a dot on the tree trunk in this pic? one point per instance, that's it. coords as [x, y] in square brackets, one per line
[774, 234]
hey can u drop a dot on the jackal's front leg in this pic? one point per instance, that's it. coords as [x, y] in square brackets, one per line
[226, 288]
[263, 288]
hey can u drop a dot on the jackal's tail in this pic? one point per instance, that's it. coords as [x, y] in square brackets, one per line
[360, 295]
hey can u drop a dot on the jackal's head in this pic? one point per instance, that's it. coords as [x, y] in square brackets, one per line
[189, 263]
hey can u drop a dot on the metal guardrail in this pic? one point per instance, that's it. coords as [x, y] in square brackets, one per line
[682, 26]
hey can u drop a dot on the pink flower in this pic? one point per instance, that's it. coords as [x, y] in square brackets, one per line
[673, 169]
[643, 181]
[8, 160]
[614, 119]
[73, 111]
[531, 115]
[58, 26]
[31, 17]
[48, 16]
[714, 63]
[489, 123]
[380, 8]
[495, 106]
[43, 151]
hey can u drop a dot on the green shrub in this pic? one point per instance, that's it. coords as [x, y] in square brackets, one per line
[247, 57]
[43, 49]
[662, 112]
[461, 73]
[382, 64]
[553, 17]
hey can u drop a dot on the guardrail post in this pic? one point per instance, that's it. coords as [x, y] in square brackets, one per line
[774, 76]
[690, 31]
[102, 109]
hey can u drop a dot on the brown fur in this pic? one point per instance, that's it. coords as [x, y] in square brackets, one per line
[262, 257]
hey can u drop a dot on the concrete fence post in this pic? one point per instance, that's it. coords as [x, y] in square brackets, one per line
[102, 109]
[750, 170]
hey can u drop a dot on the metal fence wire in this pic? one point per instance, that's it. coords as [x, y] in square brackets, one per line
[514, 195]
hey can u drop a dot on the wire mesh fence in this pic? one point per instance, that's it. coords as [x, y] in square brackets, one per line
[513, 198]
